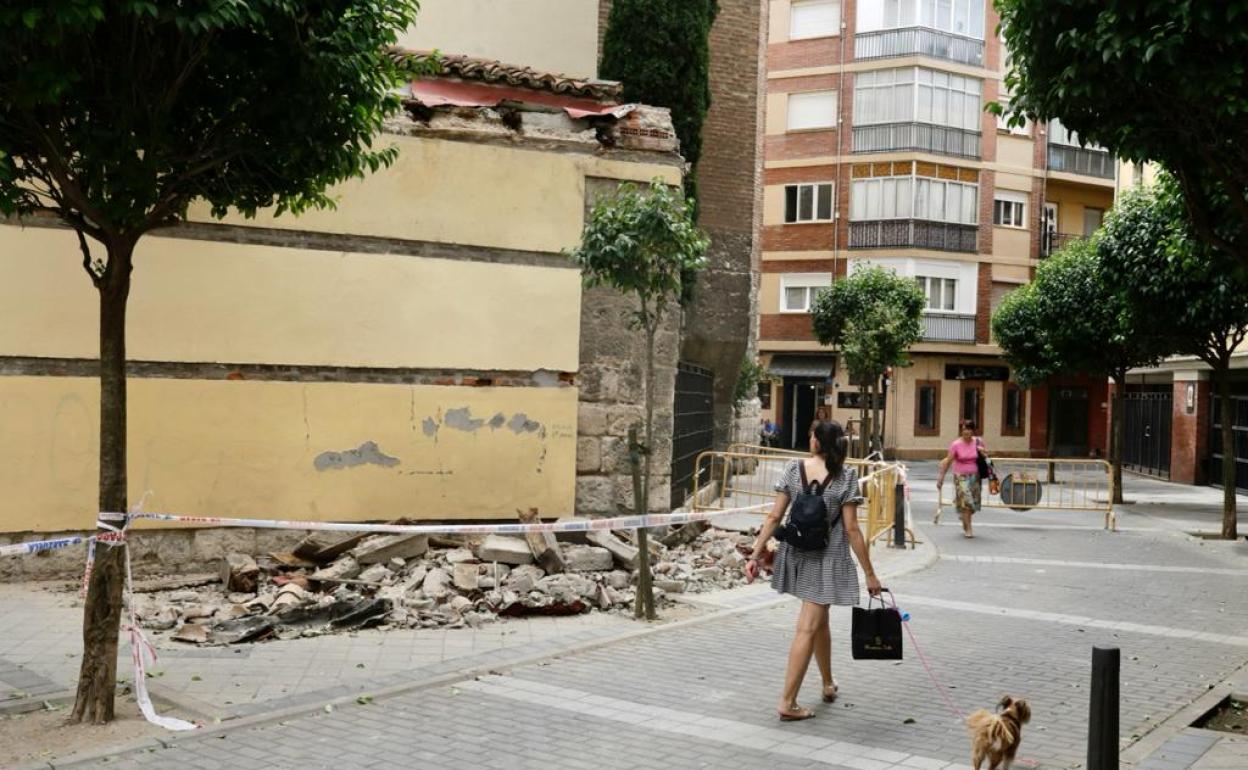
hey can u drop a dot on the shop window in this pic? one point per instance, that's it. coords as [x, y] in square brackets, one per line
[1013, 411]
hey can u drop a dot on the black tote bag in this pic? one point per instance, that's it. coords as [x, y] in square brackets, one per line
[875, 633]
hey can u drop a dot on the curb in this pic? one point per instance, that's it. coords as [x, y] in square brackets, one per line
[1182, 719]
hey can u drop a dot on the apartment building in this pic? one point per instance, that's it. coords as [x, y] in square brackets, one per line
[879, 151]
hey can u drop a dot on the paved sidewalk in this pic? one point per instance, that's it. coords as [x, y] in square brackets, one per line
[1015, 610]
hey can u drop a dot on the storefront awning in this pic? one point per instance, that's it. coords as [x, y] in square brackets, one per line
[814, 367]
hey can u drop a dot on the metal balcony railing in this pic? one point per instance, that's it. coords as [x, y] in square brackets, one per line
[1051, 242]
[915, 233]
[1081, 160]
[921, 41]
[942, 140]
[948, 327]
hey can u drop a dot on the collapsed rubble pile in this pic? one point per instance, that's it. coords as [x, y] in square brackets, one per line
[330, 585]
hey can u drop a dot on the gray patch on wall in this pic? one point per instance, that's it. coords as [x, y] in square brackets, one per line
[429, 426]
[520, 423]
[497, 421]
[544, 378]
[462, 419]
[366, 454]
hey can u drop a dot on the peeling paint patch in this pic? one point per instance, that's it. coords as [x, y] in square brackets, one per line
[520, 423]
[366, 454]
[497, 421]
[430, 427]
[544, 378]
[462, 419]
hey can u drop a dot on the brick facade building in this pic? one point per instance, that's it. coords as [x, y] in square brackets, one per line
[878, 150]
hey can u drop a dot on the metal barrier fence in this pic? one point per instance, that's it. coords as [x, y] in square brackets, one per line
[1046, 484]
[748, 477]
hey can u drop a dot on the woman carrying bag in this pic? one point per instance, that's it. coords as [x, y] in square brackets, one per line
[813, 560]
[969, 458]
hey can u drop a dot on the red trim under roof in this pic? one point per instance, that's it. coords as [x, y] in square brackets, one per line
[460, 93]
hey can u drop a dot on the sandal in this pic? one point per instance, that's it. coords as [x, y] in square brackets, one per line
[836, 689]
[795, 714]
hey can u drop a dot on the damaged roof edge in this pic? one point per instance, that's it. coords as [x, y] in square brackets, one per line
[496, 72]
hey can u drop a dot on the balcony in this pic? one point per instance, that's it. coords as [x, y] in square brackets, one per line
[1051, 242]
[889, 137]
[920, 41]
[948, 327]
[1081, 160]
[913, 233]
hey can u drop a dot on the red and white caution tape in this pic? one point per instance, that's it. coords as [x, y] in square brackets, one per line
[39, 546]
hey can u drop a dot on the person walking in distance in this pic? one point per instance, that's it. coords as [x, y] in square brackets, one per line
[820, 576]
[963, 457]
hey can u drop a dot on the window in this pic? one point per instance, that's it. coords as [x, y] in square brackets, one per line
[808, 202]
[972, 404]
[798, 290]
[1059, 134]
[914, 94]
[1009, 210]
[942, 293]
[1092, 219]
[1013, 411]
[814, 18]
[764, 394]
[927, 408]
[812, 109]
[904, 197]
[959, 17]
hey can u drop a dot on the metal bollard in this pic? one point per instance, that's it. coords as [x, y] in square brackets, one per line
[899, 516]
[1103, 709]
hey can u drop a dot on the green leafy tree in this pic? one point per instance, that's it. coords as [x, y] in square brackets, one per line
[643, 243]
[660, 50]
[748, 378]
[1150, 252]
[1072, 319]
[874, 316]
[115, 116]
[1157, 81]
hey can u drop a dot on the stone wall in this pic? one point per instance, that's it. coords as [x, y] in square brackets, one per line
[612, 397]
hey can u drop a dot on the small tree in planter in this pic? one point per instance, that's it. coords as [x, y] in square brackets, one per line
[643, 243]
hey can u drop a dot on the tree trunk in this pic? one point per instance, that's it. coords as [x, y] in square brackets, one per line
[97, 680]
[644, 606]
[1229, 523]
[1117, 434]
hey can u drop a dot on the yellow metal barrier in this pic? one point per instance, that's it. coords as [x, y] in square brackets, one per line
[724, 480]
[1047, 484]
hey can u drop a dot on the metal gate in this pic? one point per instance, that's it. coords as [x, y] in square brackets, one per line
[1149, 416]
[693, 426]
[1239, 429]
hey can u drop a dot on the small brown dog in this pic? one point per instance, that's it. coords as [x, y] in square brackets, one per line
[996, 736]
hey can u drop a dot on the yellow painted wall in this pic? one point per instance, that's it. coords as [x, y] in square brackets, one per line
[1071, 199]
[205, 301]
[237, 448]
[773, 205]
[777, 117]
[1011, 242]
[1011, 273]
[550, 35]
[769, 293]
[1014, 151]
[467, 193]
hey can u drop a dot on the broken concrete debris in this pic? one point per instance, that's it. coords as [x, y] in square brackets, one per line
[330, 585]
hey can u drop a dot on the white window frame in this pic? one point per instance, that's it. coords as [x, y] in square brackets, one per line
[1014, 213]
[831, 28]
[880, 98]
[805, 96]
[818, 190]
[878, 15]
[946, 288]
[964, 275]
[860, 207]
[811, 282]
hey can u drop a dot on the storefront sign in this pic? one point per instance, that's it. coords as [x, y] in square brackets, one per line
[968, 372]
[855, 399]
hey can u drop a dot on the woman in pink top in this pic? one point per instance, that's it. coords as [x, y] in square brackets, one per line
[963, 456]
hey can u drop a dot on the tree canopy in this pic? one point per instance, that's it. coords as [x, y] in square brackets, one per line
[1151, 255]
[660, 50]
[1156, 81]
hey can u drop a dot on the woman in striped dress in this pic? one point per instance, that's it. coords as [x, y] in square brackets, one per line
[818, 578]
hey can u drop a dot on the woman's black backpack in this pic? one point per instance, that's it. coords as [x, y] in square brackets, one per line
[807, 527]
